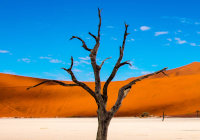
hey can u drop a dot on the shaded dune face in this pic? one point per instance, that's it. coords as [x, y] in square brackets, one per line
[176, 95]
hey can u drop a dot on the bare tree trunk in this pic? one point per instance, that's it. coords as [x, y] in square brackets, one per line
[163, 115]
[103, 123]
[102, 129]
[197, 113]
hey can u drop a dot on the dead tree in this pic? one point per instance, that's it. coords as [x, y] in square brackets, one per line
[163, 115]
[99, 96]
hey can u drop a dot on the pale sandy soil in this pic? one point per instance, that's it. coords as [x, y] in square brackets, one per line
[85, 129]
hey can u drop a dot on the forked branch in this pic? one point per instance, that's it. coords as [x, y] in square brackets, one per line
[84, 45]
[116, 67]
[125, 35]
[92, 35]
[123, 91]
[124, 63]
[77, 83]
[145, 76]
[83, 85]
[97, 38]
[55, 81]
[96, 68]
[70, 71]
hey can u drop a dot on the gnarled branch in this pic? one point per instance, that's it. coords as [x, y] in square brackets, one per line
[123, 91]
[124, 63]
[55, 81]
[104, 61]
[84, 45]
[83, 85]
[97, 93]
[145, 76]
[96, 67]
[116, 67]
[77, 83]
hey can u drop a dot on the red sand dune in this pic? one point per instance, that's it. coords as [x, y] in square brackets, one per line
[177, 94]
[190, 69]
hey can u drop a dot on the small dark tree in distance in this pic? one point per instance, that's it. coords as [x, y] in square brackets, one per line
[197, 113]
[163, 115]
[104, 116]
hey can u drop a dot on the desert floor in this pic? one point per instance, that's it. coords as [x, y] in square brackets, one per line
[85, 129]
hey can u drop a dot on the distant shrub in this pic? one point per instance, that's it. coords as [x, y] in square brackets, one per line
[145, 114]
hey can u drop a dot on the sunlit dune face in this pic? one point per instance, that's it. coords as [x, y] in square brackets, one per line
[176, 95]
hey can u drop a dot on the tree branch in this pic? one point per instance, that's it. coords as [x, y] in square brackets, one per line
[123, 91]
[165, 74]
[116, 67]
[77, 83]
[84, 45]
[99, 26]
[96, 47]
[83, 85]
[126, 62]
[104, 61]
[97, 94]
[61, 83]
[145, 76]
[71, 63]
[125, 35]
[96, 67]
[93, 36]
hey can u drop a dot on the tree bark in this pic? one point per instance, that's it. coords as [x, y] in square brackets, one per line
[163, 115]
[103, 123]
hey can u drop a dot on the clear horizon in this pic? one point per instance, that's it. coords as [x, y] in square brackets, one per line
[35, 36]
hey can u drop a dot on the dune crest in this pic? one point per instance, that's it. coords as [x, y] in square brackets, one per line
[190, 69]
[8, 80]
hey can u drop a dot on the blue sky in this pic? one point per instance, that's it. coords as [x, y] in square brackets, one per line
[34, 39]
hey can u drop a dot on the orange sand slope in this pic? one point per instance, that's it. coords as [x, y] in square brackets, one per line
[176, 95]
[190, 69]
